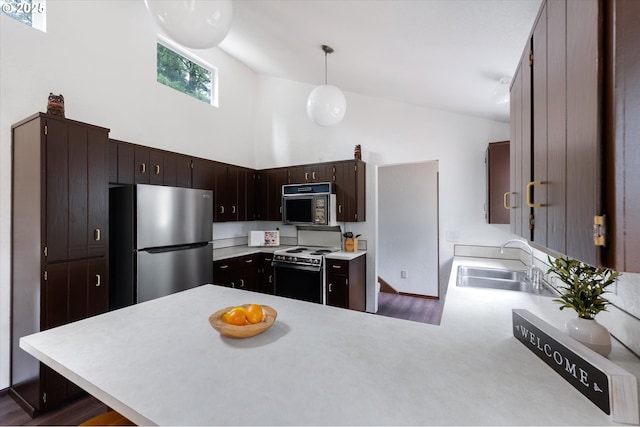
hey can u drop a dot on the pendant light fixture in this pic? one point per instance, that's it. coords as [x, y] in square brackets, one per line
[196, 24]
[326, 104]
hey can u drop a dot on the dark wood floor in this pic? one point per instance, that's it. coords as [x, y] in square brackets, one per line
[72, 414]
[416, 309]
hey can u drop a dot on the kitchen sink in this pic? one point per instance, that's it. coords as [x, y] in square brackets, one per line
[496, 278]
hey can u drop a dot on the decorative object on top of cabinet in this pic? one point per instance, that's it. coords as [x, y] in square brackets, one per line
[60, 233]
[498, 194]
[583, 289]
[55, 105]
[357, 152]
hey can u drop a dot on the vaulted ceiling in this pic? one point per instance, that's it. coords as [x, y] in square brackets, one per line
[444, 54]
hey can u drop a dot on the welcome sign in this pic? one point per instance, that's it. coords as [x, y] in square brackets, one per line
[608, 386]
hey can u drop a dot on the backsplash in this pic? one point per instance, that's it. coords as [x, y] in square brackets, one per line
[622, 317]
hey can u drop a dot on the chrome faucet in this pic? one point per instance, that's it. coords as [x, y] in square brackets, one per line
[533, 273]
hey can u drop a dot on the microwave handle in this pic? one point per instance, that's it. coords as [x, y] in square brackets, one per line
[304, 189]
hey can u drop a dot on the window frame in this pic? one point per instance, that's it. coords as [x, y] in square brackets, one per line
[185, 53]
[38, 13]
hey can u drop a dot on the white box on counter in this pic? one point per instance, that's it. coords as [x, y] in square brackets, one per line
[264, 238]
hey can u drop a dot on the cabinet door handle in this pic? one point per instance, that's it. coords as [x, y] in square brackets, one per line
[143, 167]
[221, 209]
[339, 208]
[306, 176]
[529, 201]
[242, 283]
[96, 235]
[271, 278]
[98, 281]
[157, 168]
[330, 286]
[313, 175]
[506, 198]
[233, 209]
[249, 261]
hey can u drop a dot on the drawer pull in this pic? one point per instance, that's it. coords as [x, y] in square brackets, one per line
[336, 266]
[98, 281]
[222, 267]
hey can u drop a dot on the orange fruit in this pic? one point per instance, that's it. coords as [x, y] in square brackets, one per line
[254, 313]
[235, 316]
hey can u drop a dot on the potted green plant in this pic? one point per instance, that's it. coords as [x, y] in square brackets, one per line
[582, 290]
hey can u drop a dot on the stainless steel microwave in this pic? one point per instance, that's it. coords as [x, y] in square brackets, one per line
[309, 204]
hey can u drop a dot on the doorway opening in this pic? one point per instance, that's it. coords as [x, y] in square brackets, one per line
[408, 236]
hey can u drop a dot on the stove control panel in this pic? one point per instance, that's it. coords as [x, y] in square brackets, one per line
[297, 259]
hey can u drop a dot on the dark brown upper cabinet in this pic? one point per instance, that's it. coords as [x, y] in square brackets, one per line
[497, 164]
[584, 72]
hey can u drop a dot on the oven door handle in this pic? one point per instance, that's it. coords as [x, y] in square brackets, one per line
[278, 264]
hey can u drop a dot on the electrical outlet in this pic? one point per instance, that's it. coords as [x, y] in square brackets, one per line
[404, 274]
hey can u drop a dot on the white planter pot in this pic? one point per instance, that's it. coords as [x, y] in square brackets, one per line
[590, 333]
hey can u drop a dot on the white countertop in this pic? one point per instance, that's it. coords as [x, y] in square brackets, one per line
[344, 255]
[160, 362]
[236, 251]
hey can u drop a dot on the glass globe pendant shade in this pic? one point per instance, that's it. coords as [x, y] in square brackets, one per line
[326, 105]
[196, 24]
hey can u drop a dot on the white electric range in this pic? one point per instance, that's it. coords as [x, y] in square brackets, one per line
[300, 271]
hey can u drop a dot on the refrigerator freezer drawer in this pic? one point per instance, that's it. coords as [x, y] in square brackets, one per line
[162, 273]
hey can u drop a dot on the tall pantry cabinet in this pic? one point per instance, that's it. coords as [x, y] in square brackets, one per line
[59, 242]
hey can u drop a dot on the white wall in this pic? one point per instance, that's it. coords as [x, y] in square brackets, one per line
[390, 133]
[408, 227]
[101, 55]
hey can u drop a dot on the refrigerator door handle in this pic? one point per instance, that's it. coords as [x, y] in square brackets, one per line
[174, 248]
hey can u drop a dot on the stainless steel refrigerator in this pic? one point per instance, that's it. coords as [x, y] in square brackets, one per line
[159, 242]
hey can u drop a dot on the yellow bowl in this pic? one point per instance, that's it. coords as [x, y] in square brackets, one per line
[245, 331]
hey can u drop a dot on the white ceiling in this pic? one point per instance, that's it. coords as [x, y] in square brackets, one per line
[444, 54]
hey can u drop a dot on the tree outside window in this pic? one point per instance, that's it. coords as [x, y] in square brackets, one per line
[184, 75]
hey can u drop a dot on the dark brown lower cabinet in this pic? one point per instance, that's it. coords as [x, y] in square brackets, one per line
[265, 282]
[346, 283]
[71, 291]
[238, 273]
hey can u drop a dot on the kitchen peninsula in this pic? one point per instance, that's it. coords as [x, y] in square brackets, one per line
[160, 362]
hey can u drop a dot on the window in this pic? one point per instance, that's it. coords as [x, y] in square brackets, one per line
[187, 75]
[30, 12]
